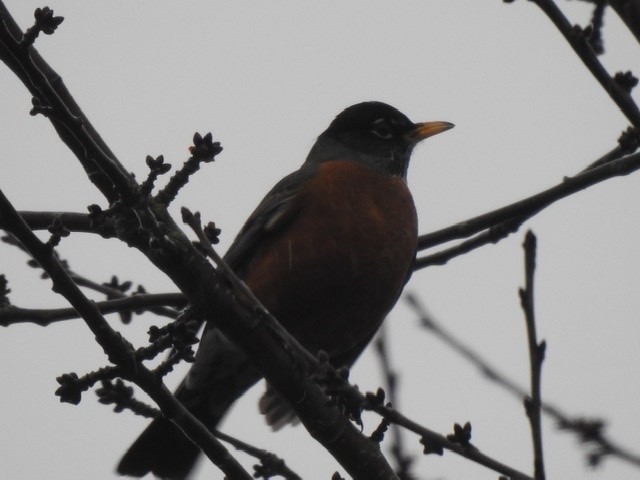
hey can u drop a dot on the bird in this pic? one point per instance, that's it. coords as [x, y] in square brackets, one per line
[327, 252]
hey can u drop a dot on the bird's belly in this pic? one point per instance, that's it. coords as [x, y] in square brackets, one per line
[340, 267]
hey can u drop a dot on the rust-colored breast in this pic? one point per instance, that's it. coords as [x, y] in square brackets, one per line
[334, 272]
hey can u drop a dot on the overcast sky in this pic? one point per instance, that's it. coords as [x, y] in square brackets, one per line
[266, 78]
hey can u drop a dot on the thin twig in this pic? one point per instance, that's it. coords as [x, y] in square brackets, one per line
[80, 280]
[271, 464]
[536, 355]
[398, 450]
[114, 293]
[435, 440]
[11, 314]
[73, 221]
[493, 234]
[204, 150]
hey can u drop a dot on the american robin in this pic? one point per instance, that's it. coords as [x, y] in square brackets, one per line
[327, 252]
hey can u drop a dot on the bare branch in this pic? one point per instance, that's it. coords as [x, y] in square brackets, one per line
[536, 355]
[119, 351]
[509, 217]
[52, 97]
[74, 221]
[433, 440]
[458, 442]
[576, 37]
[629, 12]
[493, 234]
[403, 460]
[270, 464]
[204, 150]
[11, 315]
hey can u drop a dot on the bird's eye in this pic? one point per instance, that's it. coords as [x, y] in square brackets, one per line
[381, 128]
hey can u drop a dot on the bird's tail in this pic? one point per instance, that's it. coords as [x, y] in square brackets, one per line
[218, 377]
[161, 449]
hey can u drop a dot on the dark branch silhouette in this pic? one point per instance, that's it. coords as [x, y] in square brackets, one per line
[10, 315]
[119, 352]
[578, 38]
[402, 458]
[503, 221]
[536, 355]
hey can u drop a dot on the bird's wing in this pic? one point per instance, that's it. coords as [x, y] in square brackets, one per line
[276, 210]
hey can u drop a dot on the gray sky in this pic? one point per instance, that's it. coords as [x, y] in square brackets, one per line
[266, 79]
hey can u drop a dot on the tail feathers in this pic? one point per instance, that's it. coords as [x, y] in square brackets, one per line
[220, 374]
[276, 410]
[162, 449]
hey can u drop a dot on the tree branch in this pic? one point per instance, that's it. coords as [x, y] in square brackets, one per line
[432, 440]
[403, 460]
[509, 218]
[536, 355]
[629, 12]
[54, 100]
[119, 351]
[12, 315]
[73, 221]
[578, 41]
[270, 464]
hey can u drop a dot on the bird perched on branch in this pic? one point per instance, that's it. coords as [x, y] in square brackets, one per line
[327, 252]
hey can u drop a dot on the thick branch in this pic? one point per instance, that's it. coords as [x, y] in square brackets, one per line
[119, 351]
[74, 128]
[629, 12]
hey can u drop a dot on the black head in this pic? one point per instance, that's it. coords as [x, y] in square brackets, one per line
[375, 134]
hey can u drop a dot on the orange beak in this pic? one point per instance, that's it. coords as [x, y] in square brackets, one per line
[427, 129]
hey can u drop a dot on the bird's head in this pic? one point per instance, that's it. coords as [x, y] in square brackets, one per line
[373, 133]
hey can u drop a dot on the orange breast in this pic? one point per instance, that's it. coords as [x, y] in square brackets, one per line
[331, 276]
